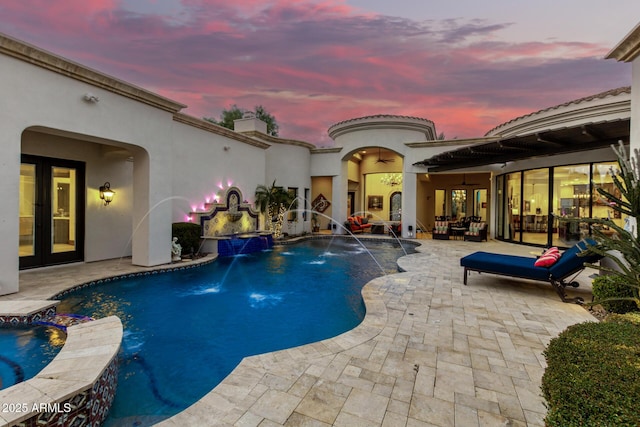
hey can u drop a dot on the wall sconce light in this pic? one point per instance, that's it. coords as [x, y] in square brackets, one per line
[106, 193]
[410, 228]
[89, 97]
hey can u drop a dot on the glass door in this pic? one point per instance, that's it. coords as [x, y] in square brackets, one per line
[480, 203]
[27, 209]
[572, 200]
[535, 210]
[51, 211]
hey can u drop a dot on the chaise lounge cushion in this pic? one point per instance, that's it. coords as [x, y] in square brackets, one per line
[522, 266]
[569, 262]
[510, 265]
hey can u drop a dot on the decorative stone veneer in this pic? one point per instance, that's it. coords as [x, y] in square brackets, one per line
[25, 312]
[173, 267]
[76, 388]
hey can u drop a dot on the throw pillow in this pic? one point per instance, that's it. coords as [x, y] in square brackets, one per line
[548, 258]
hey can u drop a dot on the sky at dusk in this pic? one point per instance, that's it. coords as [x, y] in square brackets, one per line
[467, 65]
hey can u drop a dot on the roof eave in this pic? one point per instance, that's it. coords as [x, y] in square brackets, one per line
[628, 49]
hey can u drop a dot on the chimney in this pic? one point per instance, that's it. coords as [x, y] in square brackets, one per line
[249, 123]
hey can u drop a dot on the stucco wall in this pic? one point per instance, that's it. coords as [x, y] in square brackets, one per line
[289, 165]
[323, 185]
[206, 164]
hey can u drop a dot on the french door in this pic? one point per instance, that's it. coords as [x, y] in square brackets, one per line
[52, 200]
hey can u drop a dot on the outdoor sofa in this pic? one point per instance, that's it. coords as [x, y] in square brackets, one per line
[357, 224]
[566, 264]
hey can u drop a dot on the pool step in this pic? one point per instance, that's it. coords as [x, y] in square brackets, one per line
[63, 321]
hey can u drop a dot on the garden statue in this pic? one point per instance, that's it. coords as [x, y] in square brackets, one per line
[176, 250]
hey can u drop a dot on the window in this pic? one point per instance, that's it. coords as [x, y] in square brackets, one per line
[441, 203]
[293, 207]
[535, 213]
[458, 204]
[572, 199]
[514, 208]
[536, 206]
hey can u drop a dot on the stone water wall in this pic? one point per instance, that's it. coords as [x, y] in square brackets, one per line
[231, 215]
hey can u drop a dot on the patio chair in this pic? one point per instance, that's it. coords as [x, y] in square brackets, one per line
[477, 232]
[441, 230]
[557, 273]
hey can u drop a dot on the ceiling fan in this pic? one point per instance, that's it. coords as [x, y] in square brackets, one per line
[381, 160]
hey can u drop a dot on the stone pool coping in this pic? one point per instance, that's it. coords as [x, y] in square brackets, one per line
[90, 351]
[26, 311]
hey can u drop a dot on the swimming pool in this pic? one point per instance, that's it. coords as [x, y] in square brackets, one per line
[186, 330]
[25, 350]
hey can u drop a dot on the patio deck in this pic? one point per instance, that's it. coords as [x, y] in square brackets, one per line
[430, 352]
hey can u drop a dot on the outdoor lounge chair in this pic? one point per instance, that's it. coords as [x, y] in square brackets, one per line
[477, 232]
[568, 264]
[441, 230]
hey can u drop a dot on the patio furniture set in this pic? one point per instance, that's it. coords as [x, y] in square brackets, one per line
[358, 224]
[470, 228]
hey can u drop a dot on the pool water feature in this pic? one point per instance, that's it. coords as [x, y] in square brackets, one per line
[25, 350]
[185, 331]
[238, 244]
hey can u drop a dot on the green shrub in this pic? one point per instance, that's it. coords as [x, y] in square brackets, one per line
[631, 318]
[593, 376]
[188, 235]
[609, 289]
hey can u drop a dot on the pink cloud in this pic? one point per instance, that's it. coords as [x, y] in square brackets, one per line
[312, 63]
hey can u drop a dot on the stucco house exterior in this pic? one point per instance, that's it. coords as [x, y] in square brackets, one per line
[68, 130]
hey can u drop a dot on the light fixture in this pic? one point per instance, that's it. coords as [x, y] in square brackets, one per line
[106, 193]
[391, 179]
[89, 97]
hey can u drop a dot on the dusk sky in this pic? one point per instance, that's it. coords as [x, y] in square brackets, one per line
[467, 65]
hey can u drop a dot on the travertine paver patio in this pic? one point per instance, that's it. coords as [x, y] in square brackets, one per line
[430, 352]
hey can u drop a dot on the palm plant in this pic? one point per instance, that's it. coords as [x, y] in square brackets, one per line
[623, 248]
[272, 201]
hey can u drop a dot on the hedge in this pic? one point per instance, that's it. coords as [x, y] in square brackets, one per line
[593, 375]
[188, 235]
[608, 288]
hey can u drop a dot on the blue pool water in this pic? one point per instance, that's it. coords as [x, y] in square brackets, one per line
[185, 331]
[25, 350]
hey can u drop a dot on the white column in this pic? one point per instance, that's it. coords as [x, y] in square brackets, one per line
[9, 208]
[409, 203]
[152, 208]
[339, 198]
